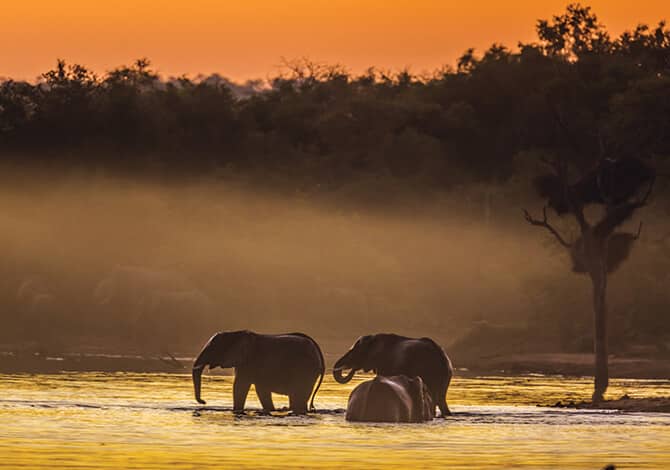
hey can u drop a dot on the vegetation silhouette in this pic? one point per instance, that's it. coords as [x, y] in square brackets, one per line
[320, 125]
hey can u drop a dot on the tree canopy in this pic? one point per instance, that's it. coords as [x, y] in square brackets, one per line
[324, 125]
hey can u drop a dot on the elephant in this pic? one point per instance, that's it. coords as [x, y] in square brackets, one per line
[396, 399]
[390, 354]
[287, 364]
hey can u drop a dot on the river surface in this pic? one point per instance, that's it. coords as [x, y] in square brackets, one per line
[95, 420]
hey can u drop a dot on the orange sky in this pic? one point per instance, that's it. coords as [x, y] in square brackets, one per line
[246, 39]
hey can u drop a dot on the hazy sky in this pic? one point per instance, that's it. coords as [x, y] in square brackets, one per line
[247, 38]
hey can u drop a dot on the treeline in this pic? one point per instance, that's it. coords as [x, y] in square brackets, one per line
[576, 90]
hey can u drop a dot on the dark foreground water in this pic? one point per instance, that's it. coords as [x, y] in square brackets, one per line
[89, 420]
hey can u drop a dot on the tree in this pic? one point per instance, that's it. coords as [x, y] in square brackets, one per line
[574, 34]
[599, 250]
[599, 126]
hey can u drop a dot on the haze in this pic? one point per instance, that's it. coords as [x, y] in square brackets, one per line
[246, 261]
[112, 263]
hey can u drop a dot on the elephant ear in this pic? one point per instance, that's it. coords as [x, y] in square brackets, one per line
[416, 393]
[240, 345]
[371, 353]
[247, 344]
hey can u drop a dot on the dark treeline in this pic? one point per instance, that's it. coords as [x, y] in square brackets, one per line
[324, 125]
[112, 257]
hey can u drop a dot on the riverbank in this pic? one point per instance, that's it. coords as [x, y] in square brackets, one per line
[550, 365]
[569, 365]
[12, 363]
[625, 403]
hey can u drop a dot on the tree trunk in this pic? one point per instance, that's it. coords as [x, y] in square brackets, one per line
[599, 280]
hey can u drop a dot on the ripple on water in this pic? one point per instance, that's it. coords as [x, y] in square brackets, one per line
[150, 421]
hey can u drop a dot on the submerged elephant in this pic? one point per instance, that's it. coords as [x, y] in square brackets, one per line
[396, 399]
[390, 354]
[287, 364]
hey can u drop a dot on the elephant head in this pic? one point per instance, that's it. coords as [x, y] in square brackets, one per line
[363, 355]
[225, 349]
[423, 408]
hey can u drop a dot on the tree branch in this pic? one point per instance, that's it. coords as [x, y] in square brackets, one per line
[614, 217]
[173, 362]
[578, 212]
[617, 215]
[544, 223]
[643, 201]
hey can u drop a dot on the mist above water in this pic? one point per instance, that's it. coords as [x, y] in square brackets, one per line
[110, 263]
[104, 255]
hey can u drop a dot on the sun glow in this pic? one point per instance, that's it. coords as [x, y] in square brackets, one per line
[248, 39]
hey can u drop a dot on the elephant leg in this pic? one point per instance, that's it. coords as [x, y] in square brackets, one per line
[265, 397]
[240, 392]
[441, 402]
[444, 409]
[297, 402]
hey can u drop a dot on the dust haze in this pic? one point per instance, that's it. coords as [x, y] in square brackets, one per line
[110, 264]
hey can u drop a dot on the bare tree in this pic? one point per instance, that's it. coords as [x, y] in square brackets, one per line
[599, 250]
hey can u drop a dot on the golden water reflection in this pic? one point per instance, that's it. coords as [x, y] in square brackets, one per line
[90, 420]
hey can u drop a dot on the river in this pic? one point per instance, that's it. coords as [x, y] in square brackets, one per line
[123, 420]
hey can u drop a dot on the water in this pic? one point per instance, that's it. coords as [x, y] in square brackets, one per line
[89, 420]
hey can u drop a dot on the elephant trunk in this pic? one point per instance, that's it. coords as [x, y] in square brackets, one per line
[343, 363]
[198, 367]
[337, 374]
[197, 380]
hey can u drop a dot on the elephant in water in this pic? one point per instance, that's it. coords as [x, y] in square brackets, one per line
[287, 364]
[396, 399]
[390, 354]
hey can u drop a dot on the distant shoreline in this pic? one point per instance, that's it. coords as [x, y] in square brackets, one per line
[565, 364]
[572, 365]
[56, 363]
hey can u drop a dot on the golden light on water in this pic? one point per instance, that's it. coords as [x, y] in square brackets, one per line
[150, 421]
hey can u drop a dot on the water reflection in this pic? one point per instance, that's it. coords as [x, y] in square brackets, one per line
[151, 421]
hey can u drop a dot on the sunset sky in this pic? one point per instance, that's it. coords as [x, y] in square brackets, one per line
[247, 38]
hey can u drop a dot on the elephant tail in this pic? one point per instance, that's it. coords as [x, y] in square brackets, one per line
[318, 385]
[322, 372]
